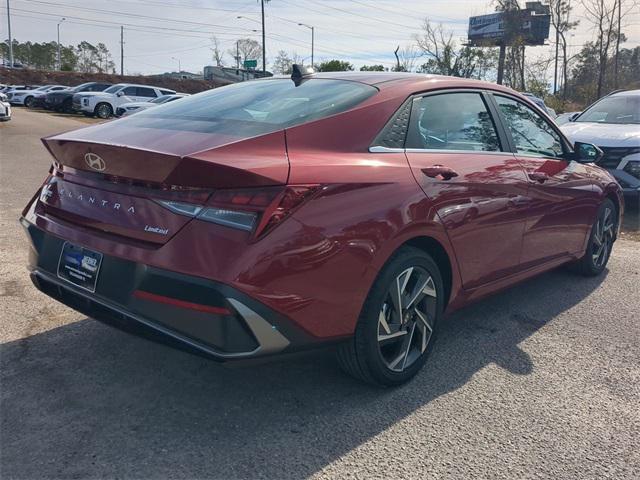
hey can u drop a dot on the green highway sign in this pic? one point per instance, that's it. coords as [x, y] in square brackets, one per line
[250, 63]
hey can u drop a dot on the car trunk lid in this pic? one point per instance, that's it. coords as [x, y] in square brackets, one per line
[114, 179]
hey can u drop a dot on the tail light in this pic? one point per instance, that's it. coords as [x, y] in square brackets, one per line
[256, 210]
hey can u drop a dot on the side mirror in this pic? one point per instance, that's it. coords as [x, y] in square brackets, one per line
[587, 152]
[574, 116]
[120, 93]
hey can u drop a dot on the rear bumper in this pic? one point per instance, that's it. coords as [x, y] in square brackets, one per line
[199, 315]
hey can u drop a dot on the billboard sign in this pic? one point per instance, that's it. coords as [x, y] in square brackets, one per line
[530, 25]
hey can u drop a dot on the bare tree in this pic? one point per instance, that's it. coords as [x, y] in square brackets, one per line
[216, 52]
[445, 57]
[624, 7]
[247, 49]
[405, 59]
[602, 14]
[560, 19]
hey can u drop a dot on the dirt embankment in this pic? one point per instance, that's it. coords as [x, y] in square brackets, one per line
[41, 77]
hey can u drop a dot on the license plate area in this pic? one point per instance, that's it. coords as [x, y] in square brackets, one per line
[80, 266]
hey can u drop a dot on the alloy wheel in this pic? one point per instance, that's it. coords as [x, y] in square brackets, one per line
[104, 111]
[602, 238]
[406, 318]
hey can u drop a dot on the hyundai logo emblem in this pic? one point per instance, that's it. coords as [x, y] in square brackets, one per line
[95, 161]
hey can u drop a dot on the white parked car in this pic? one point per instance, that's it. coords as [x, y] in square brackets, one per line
[9, 88]
[613, 124]
[28, 97]
[135, 107]
[5, 108]
[104, 104]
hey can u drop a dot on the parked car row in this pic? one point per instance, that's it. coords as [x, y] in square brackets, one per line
[97, 99]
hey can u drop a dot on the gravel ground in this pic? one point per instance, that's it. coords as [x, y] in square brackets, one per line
[542, 381]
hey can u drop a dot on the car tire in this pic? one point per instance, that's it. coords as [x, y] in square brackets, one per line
[65, 107]
[379, 353]
[601, 238]
[28, 102]
[103, 110]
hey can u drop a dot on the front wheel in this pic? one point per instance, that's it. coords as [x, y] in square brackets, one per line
[601, 241]
[397, 327]
[28, 102]
[103, 110]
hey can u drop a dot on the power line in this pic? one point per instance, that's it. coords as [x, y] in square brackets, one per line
[132, 24]
[134, 15]
[156, 30]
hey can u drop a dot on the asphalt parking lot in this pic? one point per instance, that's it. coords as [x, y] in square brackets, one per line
[542, 381]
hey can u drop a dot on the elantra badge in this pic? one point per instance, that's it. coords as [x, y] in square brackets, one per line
[95, 161]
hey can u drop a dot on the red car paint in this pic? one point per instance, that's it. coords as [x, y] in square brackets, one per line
[495, 222]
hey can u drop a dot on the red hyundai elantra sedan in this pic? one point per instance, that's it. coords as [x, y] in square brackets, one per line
[353, 209]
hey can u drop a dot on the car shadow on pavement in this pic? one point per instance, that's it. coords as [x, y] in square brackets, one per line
[86, 400]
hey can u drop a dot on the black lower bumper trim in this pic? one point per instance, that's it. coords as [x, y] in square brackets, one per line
[245, 329]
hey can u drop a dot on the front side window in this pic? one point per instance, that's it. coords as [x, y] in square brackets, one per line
[452, 121]
[531, 133]
[130, 91]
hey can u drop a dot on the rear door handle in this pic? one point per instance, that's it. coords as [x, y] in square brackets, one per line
[439, 170]
[539, 177]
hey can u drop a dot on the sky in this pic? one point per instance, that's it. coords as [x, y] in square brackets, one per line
[160, 35]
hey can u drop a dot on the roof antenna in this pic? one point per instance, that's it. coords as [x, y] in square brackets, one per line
[298, 72]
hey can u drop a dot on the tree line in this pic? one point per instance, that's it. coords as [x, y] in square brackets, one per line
[84, 57]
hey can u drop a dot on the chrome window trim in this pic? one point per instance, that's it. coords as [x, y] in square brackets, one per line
[444, 150]
[381, 149]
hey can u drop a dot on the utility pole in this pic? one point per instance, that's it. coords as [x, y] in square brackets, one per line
[615, 76]
[264, 50]
[121, 50]
[10, 39]
[237, 54]
[59, 57]
[503, 50]
[311, 27]
[555, 68]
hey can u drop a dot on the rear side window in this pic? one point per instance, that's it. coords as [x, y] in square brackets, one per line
[531, 133]
[167, 92]
[452, 121]
[146, 92]
[257, 107]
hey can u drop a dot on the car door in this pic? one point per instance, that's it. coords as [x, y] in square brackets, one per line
[562, 202]
[459, 156]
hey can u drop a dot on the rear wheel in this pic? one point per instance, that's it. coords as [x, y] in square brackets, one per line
[103, 110]
[66, 106]
[600, 241]
[28, 102]
[397, 326]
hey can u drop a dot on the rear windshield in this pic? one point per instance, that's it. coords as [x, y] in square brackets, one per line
[256, 107]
